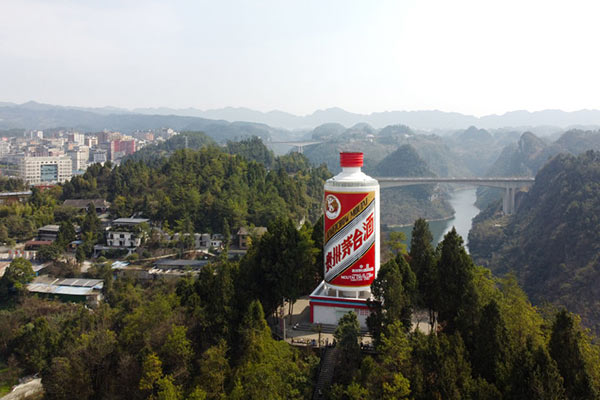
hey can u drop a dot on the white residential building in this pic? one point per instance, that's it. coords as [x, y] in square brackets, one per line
[79, 158]
[38, 170]
[76, 137]
[4, 147]
[124, 233]
[99, 156]
[123, 239]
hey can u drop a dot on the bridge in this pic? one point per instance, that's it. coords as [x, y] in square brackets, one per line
[510, 185]
[298, 145]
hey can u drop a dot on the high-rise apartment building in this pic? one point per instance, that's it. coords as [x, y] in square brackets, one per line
[79, 157]
[76, 137]
[121, 147]
[38, 170]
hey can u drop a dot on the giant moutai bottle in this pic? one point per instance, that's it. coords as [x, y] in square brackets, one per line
[351, 235]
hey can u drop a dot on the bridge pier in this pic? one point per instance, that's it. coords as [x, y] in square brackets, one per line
[508, 200]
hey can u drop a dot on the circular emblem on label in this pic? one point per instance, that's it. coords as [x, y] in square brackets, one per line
[332, 206]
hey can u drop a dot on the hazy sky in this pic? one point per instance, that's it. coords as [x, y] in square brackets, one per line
[475, 57]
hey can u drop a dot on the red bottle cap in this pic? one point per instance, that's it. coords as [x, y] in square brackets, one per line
[351, 159]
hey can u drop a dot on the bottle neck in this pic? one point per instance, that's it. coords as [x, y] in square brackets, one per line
[350, 170]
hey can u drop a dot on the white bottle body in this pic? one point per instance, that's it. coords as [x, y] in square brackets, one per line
[352, 231]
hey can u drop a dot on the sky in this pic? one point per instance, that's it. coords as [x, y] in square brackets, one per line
[474, 57]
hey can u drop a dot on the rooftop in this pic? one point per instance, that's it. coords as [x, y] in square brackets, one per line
[8, 194]
[83, 203]
[76, 286]
[166, 263]
[50, 228]
[129, 221]
[38, 243]
[258, 230]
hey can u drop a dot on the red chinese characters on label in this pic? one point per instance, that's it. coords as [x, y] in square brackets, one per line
[349, 248]
[350, 244]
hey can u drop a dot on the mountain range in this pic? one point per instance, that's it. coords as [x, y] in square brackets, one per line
[11, 115]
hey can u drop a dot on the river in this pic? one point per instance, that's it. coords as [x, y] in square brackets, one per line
[462, 200]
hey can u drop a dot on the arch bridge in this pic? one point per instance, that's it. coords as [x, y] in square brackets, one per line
[298, 146]
[509, 184]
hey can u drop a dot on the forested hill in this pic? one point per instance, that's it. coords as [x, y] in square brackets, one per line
[252, 148]
[552, 243]
[206, 189]
[190, 140]
[523, 158]
[403, 162]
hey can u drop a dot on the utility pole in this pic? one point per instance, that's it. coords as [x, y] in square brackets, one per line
[320, 329]
[283, 316]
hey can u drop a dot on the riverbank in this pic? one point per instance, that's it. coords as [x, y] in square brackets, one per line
[395, 227]
[463, 203]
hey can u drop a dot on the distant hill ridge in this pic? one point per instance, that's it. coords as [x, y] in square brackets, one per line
[423, 119]
[530, 153]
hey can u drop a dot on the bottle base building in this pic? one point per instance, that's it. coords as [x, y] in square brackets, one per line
[328, 305]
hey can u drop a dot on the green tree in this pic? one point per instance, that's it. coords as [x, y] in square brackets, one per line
[37, 198]
[167, 390]
[91, 230]
[16, 277]
[65, 380]
[439, 368]
[395, 244]
[424, 265]
[565, 348]
[66, 234]
[51, 252]
[80, 254]
[35, 344]
[91, 223]
[210, 303]
[282, 260]
[214, 371]
[317, 238]
[354, 391]
[198, 394]
[491, 346]
[394, 291]
[347, 335]
[93, 353]
[483, 390]
[458, 299]
[120, 207]
[395, 360]
[177, 353]
[151, 372]
[267, 368]
[5, 236]
[534, 375]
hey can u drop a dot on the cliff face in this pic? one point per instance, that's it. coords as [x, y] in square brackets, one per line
[552, 243]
